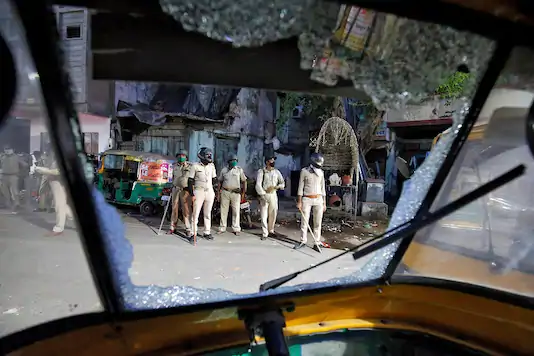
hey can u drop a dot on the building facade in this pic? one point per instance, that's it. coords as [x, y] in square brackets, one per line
[413, 130]
[166, 118]
[92, 99]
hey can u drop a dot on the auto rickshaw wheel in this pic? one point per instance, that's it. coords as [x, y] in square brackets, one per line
[147, 208]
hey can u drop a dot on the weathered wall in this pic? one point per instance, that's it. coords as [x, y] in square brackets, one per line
[251, 123]
[294, 136]
[295, 131]
[254, 115]
[88, 123]
[168, 139]
[249, 151]
[288, 163]
[198, 139]
[431, 110]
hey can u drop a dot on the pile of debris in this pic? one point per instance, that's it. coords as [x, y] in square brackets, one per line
[345, 225]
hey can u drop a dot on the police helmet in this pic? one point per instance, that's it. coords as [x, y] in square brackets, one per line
[205, 155]
[317, 160]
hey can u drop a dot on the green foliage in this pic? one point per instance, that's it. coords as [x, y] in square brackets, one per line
[322, 107]
[454, 87]
[315, 106]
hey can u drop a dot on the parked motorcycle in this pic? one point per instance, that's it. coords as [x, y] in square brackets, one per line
[246, 217]
[246, 214]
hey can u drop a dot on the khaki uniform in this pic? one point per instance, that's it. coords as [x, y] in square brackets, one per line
[180, 195]
[45, 201]
[27, 179]
[231, 180]
[59, 193]
[10, 179]
[268, 201]
[312, 188]
[204, 194]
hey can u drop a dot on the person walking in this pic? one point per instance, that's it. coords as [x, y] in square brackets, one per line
[59, 193]
[26, 177]
[180, 193]
[233, 185]
[44, 193]
[268, 181]
[311, 196]
[201, 182]
[34, 180]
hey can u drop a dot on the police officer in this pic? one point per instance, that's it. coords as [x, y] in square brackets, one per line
[45, 199]
[201, 182]
[268, 181]
[180, 193]
[26, 177]
[233, 185]
[35, 179]
[60, 196]
[11, 169]
[311, 195]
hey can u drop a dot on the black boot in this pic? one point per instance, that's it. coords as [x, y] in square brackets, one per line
[208, 236]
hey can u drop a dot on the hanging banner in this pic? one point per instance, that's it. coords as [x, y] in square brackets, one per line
[165, 171]
[154, 172]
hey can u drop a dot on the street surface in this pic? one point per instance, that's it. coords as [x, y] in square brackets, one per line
[45, 278]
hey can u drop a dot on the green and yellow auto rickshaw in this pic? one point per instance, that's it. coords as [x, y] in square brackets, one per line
[135, 178]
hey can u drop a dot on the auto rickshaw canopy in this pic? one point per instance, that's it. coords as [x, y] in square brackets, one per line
[139, 156]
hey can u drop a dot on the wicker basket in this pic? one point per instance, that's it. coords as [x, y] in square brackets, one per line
[338, 144]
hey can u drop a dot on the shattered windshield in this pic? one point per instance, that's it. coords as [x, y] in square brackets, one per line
[489, 242]
[241, 185]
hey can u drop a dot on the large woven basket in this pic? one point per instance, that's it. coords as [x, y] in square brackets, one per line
[338, 144]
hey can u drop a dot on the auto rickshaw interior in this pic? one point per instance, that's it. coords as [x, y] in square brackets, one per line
[421, 303]
[118, 176]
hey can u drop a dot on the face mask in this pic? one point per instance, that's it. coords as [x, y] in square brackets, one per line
[181, 159]
[233, 164]
[316, 170]
[316, 165]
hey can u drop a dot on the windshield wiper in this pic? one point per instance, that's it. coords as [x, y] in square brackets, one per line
[408, 228]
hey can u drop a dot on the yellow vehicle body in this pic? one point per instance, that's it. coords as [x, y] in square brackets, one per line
[494, 328]
[434, 256]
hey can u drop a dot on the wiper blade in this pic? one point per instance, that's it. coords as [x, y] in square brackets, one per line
[408, 228]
